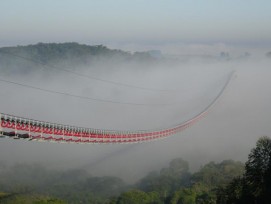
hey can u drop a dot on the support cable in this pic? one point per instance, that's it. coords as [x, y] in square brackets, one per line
[87, 76]
[78, 96]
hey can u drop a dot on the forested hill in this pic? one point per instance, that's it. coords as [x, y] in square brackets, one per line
[72, 54]
[46, 52]
[227, 182]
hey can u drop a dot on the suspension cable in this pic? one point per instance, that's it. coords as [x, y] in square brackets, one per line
[87, 76]
[78, 96]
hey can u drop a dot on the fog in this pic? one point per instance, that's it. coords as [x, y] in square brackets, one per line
[152, 96]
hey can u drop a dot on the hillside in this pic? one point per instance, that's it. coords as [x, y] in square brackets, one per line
[225, 182]
[24, 59]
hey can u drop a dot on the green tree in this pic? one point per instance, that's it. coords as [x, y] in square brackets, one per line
[177, 168]
[217, 174]
[234, 192]
[258, 170]
[168, 180]
[29, 199]
[255, 185]
[134, 197]
[184, 196]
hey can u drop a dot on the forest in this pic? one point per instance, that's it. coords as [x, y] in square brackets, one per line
[26, 59]
[225, 182]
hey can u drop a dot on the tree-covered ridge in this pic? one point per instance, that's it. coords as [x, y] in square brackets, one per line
[48, 52]
[72, 186]
[25, 198]
[224, 182]
[227, 182]
[176, 184]
[77, 186]
[24, 59]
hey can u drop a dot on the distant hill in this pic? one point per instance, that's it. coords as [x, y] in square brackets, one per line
[46, 52]
[26, 58]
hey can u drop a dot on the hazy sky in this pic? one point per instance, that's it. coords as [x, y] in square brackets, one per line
[135, 21]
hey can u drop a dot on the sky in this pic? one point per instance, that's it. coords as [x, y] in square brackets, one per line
[118, 22]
